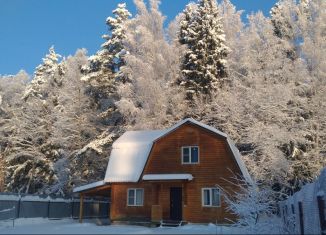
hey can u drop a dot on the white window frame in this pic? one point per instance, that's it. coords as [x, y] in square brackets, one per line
[135, 197]
[210, 197]
[189, 147]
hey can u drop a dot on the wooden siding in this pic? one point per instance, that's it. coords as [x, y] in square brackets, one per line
[119, 208]
[216, 163]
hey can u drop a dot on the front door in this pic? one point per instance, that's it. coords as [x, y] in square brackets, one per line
[176, 203]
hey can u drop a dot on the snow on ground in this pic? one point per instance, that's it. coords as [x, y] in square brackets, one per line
[69, 226]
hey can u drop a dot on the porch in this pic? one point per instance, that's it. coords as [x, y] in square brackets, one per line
[98, 189]
[168, 196]
[164, 198]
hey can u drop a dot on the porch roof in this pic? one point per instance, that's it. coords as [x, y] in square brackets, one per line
[98, 188]
[168, 177]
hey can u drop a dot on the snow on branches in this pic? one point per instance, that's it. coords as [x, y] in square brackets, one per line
[48, 72]
[104, 67]
[204, 65]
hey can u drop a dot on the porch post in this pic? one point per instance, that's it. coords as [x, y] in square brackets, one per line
[184, 201]
[109, 203]
[81, 208]
[156, 211]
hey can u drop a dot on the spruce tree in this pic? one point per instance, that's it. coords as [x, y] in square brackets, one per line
[49, 71]
[104, 66]
[204, 64]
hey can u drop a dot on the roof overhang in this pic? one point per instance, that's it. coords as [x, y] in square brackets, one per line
[98, 188]
[163, 177]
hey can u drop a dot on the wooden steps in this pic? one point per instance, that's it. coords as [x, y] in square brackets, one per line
[172, 223]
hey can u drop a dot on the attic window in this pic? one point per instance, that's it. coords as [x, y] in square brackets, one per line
[190, 155]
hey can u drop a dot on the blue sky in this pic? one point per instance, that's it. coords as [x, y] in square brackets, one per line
[29, 27]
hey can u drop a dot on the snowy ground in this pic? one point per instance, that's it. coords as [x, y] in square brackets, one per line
[69, 226]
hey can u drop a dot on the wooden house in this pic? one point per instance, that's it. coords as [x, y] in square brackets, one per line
[173, 174]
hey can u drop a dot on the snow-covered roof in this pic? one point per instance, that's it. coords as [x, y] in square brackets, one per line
[212, 129]
[132, 138]
[130, 152]
[89, 186]
[129, 155]
[237, 156]
[168, 177]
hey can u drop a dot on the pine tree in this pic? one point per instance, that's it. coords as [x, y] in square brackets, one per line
[104, 67]
[205, 63]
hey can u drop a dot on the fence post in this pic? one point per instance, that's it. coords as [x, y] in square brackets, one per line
[18, 207]
[321, 208]
[301, 218]
[13, 217]
[284, 214]
[292, 208]
[72, 207]
[81, 207]
[49, 209]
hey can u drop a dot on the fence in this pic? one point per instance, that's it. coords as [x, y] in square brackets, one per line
[28, 206]
[305, 211]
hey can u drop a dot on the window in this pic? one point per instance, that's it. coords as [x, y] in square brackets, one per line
[211, 197]
[190, 155]
[135, 197]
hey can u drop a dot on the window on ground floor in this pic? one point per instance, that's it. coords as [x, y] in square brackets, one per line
[135, 197]
[211, 197]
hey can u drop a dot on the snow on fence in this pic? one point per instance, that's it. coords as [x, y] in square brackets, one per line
[305, 211]
[30, 206]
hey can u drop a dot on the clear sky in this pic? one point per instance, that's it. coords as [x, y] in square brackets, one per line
[29, 27]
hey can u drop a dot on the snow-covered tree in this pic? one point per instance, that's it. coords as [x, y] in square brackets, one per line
[48, 72]
[204, 65]
[11, 88]
[74, 113]
[283, 17]
[148, 100]
[43, 131]
[114, 44]
[231, 18]
[268, 108]
[104, 67]
[28, 157]
[312, 16]
[75, 122]
[254, 206]
[233, 27]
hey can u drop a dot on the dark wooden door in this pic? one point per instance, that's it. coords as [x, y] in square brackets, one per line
[176, 203]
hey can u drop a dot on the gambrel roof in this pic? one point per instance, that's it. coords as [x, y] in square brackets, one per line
[130, 152]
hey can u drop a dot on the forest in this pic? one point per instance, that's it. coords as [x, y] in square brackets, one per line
[261, 80]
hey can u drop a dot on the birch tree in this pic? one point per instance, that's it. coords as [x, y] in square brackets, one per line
[148, 99]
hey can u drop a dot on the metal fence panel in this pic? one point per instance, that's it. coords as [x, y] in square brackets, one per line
[60, 210]
[306, 217]
[33, 209]
[29, 206]
[8, 210]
